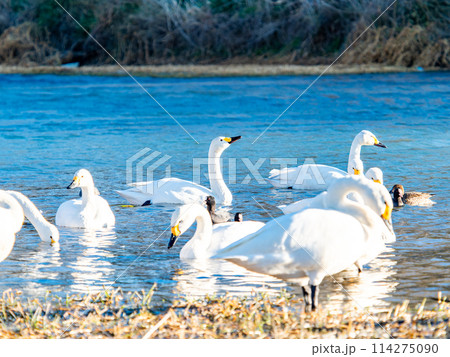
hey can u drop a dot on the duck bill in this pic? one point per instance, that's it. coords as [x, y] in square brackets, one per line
[234, 138]
[173, 239]
[380, 145]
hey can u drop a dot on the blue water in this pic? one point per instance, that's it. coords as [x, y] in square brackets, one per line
[50, 126]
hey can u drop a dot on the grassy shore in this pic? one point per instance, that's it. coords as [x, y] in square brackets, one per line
[227, 70]
[132, 315]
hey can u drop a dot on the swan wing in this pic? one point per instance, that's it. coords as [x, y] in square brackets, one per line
[314, 202]
[69, 214]
[225, 234]
[310, 243]
[305, 177]
[169, 190]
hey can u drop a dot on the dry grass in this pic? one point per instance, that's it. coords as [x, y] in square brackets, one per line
[119, 315]
[155, 32]
[187, 71]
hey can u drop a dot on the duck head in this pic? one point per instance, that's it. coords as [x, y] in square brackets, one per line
[397, 192]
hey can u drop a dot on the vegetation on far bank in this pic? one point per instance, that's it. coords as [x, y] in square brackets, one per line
[132, 315]
[149, 32]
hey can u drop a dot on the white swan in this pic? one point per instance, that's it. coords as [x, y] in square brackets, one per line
[11, 220]
[375, 174]
[47, 231]
[319, 177]
[308, 245]
[177, 191]
[90, 211]
[207, 239]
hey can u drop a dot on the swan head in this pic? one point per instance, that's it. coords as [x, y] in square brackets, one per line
[82, 178]
[355, 167]
[221, 143]
[49, 233]
[182, 218]
[365, 137]
[375, 174]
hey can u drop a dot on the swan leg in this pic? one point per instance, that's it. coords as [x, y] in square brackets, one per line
[314, 297]
[307, 296]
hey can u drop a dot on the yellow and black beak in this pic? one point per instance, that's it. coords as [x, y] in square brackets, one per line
[174, 236]
[377, 143]
[232, 139]
[377, 181]
[75, 183]
[356, 172]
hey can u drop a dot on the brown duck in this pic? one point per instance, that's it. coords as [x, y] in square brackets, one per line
[401, 198]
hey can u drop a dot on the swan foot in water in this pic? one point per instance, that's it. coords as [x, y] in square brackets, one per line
[311, 297]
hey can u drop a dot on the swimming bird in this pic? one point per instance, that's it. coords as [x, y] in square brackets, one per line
[375, 174]
[47, 231]
[176, 191]
[308, 245]
[216, 216]
[221, 216]
[11, 220]
[400, 197]
[207, 239]
[319, 177]
[90, 211]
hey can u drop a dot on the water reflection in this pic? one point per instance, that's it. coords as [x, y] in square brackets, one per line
[198, 278]
[92, 268]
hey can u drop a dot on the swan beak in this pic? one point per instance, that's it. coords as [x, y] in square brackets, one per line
[377, 181]
[377, 143]
[232, 139]
[52, 241]
[174, 236]
[75, 183]
[387, 213]
[357, 172]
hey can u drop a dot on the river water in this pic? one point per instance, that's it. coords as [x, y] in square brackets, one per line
[50, 126]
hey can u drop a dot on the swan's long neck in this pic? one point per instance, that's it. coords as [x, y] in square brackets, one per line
[8, 202]
[87, 194]
[218, 186]
[202, 237]
[355, 154]
[31, 213]
[337, 199]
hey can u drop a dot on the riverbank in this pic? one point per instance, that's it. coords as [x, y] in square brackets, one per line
[188, 71]
[120, 315]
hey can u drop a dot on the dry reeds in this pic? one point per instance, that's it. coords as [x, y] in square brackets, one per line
[146, 32]
[132, 315]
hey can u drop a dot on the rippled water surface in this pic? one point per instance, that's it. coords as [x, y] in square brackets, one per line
[50, 126]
